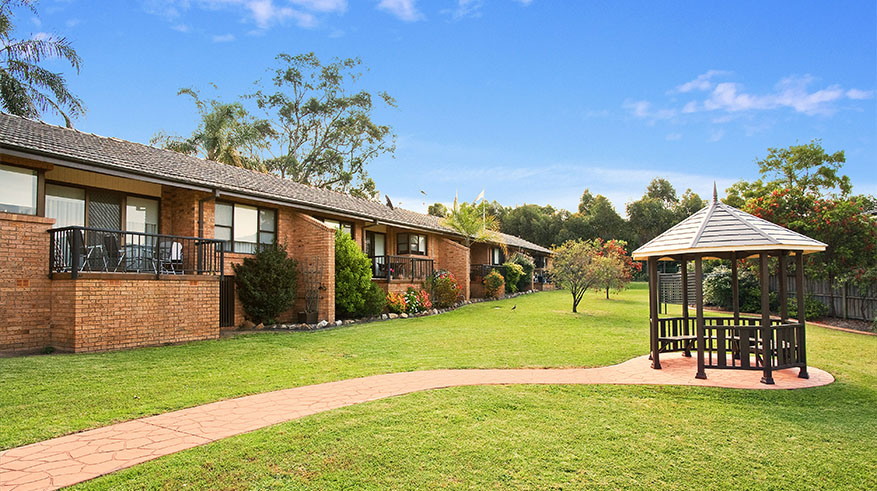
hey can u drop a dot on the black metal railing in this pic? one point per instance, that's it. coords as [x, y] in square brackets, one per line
[735, 345]
[77, 250]
[401, 267]
[541, 275]
[478, 271]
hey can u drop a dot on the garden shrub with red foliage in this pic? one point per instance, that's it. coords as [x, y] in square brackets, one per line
[410, 302]
[444, 288]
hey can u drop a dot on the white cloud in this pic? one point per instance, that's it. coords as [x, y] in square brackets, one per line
[223, 38]
[525, 3]
[716, 135]
[71, 23]
[36, 21]
[790, 92]
[466, 8]
[322, 5]
[263, 13]
[689, 108]
[643, 110]
[41, 36]
[857, 94]
[403, 9]
[181, 27]
[674, 137]
[703, 82]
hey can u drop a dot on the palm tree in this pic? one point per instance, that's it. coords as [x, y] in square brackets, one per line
[27, 89]
[473, 223]
[227, 134]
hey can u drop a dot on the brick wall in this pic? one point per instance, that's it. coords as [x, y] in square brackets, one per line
[103, 314]
[309, 238]
[454, 257]
[25, 288]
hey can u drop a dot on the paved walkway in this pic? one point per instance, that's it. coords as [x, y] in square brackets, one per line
[70, 459]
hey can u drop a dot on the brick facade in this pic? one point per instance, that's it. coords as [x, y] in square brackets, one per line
[25, 288]
[101, 314]
[455, 258]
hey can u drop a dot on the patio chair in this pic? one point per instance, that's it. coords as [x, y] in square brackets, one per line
[88, 253]
[113, 252]
[170, 257]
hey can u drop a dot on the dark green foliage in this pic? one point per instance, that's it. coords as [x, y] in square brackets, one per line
[813, 309]
[717, 289]
[374, 301]
[493, 285]
[527, 265]
[353, 277]
[266, 283]
[512, 273]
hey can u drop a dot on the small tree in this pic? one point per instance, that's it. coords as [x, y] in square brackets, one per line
[353, 276]
[266, 283]
[473, 223]
[527, 265]
[573, 267]
[512, 273]
[493, 285]
[618, 271]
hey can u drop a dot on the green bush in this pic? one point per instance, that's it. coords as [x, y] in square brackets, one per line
[353, 277]
[444, 289]
[813, 309]
[266, 283]
[528, 266]
[375, 299]
[493, 285]
[717, 289]
[512, 273]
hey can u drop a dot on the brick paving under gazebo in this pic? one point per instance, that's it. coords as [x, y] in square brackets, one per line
[78, 457]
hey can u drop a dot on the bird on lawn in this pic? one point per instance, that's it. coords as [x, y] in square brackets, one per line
[515, 306]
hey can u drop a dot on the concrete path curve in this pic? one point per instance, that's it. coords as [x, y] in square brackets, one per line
[78, 457]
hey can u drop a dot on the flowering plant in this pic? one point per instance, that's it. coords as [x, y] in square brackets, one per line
[410, 302]
[444, 289]
[396, 302]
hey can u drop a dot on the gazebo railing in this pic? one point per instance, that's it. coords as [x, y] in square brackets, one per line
[734, 345]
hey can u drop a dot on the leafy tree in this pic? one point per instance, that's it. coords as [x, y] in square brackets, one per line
[266, 283]
[661, 189]
[585, 202]
[605, 221]
[512, 273]
[438, 210]
[26, 88]
[496, 210]
[528, 266]
[473, 223]
[353, 277]
[689, 204]
[803, 169]
[573, 267]
[324, 132]
[648, 218]
[615, 269]
[226, 134]
[538, 224]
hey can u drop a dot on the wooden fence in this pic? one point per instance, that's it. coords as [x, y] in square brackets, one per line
[845, 301]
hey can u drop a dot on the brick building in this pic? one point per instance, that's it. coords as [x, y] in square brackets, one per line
[108, 244]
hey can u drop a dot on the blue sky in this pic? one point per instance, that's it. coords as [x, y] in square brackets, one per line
[533, 101]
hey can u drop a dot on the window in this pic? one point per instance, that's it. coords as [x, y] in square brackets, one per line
[375, 244]
[244, 228]
[141, 215]
[411, 244]
[346, 227]
[496, 255]
[540, 261]
[18, 190]
[66, 205]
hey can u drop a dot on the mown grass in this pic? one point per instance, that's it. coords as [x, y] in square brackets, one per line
[46, 396]
[474, 437]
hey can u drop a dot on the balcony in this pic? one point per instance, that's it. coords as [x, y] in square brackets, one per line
[77, 250]
[401, 268]
[478, 271]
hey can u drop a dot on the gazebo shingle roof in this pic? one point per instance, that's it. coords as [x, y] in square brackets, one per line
[723, 228]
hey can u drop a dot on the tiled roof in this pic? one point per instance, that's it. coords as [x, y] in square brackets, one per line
[22, 134]
[722, 228]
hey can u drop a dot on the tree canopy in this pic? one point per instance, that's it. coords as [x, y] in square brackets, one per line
[472, 222]
[27, 88]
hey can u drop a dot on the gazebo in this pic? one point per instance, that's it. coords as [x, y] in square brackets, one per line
[719, 231]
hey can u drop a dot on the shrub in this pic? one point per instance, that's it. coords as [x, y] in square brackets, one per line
[493, 285]
[444, 289]
[512, 273]
[374, 301]
[813, 309]
[353, 276]
[266, 283]
[717, 289]
[410, 302]
[527, 265]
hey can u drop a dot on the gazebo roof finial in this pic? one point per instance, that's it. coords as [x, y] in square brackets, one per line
[715, 193]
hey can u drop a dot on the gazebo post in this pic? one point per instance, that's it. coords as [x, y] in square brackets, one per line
[683, 271]
[698, 298]
[802, 313]
[766, 335]
[781, 279]
[653, 311]
[735, 289]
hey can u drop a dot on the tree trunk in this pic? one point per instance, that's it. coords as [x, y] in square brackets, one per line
[607, 293]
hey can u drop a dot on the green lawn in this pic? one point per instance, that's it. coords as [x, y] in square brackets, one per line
[469, 437]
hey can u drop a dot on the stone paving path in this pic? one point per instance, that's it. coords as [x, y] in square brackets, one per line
[78, 457]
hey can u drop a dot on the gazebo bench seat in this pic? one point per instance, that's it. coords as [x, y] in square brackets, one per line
[688, 339]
